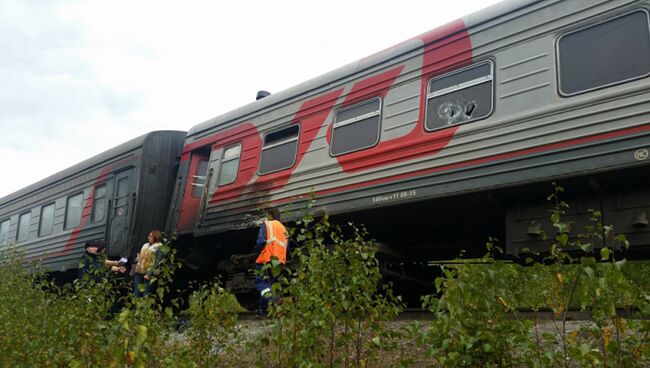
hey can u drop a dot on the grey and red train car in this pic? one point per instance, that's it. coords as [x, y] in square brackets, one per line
[445, 139]
[118, 195]
[435, 144]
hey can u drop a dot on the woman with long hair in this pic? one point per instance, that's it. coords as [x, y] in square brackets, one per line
[147, 263]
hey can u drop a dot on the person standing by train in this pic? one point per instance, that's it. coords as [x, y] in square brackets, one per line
[93, 259]
[92, 262]
[271, 244]
[147, 262]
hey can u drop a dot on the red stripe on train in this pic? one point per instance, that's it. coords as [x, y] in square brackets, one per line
[311, 116]
[444, 48]
[249, 137]
[85, 212]
[508, 155]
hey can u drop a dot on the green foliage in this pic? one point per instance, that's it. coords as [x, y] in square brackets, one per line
[476, 322]
[214, 336]
[321, 319]
[598, 287]
[473, 323]
[333, 310]
[48, 326]
[44, 325]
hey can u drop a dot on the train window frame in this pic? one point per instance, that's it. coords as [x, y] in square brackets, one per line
[67, 224]
[19, 228]
[349, 121]
[5, 234]
[558, 59]
[41, 233]
[120, 208]
[94, 218]
[280, 143]
[224, 160]
[457, 87]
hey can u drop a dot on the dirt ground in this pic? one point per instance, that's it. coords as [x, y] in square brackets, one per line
[407, 349]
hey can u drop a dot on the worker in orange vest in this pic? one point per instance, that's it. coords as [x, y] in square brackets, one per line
[271, 243]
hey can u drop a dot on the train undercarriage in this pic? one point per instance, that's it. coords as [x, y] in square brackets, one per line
[415, 238]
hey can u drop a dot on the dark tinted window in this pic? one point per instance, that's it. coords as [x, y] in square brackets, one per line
[99, 203]
[229, 165]
[4, 232]
[281, 135]
[198, 179]
[356, 127]
[279, 150]
[23, 227]
[460, 97]
[73, 211]
[46, 222]
[604, 54]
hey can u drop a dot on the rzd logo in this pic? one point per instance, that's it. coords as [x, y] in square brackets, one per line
[641, 154]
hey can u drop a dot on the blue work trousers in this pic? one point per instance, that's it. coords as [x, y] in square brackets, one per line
[264, 285]
[138, 280]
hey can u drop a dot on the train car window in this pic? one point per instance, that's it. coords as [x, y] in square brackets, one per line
[46, 221]
[199, 178]
[356, 127]
[122, 198]
[279, 150]
[605, 54]
[73, 211]
[461, 96]
[99, 203]
[23, 227]
[4, 232]
[229, 165]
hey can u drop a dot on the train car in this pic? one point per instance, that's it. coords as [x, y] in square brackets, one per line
[118, 195]
[443, 140]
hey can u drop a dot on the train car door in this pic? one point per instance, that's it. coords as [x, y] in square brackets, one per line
[193, 191]
[211, 178]
[121, 211]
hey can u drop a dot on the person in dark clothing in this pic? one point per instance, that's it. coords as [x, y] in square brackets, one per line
[271, 244]
[94, 261]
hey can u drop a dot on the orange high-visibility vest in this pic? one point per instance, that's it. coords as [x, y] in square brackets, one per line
[276, 243]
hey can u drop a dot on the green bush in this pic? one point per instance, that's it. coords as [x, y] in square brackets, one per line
[473, 323]
[476, 320]
[333, 310]
[44, 325]
[48, 326]
[214, 336]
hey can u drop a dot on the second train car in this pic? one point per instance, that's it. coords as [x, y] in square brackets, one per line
[119, 196]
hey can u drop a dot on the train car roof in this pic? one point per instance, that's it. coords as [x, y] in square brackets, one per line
[471, 20]
[83, 165]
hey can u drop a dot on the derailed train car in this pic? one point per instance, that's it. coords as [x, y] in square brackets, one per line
[443, 140]
[118, 195]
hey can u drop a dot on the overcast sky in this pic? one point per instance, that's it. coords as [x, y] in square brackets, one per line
[80, 77]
